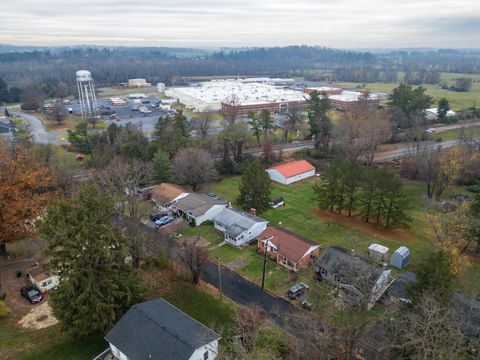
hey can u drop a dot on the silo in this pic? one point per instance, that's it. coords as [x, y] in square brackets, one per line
[86, 94]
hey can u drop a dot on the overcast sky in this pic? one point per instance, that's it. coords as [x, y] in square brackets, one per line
[335, 23]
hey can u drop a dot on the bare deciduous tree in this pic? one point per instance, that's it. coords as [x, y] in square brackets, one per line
[123, 178]
[194, 257]
[430, 330]
[249, 320]
[193, 167]
[203, 123]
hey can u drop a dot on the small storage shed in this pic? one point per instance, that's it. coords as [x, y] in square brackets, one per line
[400, 257]
[378, 252]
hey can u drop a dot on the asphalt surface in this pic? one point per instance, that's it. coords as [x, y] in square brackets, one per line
[247, 293]
[38, 133]
[404, 151]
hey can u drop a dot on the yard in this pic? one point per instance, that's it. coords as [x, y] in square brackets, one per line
[301, 215]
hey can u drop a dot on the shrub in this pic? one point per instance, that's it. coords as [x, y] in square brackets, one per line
[161, 261]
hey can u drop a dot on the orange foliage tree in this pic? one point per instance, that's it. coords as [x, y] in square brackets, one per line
[25, 185]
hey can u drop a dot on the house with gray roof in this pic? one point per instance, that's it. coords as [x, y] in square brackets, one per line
[157, 330]
[355, 278]
[239, 227]
[197, 208]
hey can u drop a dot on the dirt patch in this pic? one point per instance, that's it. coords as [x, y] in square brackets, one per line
[39, 317]
[202, 242]
[370, 229]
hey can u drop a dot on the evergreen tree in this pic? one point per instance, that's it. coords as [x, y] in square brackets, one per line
[255, 188]
[395, 202]
[161, 171]
[318, 120]
[96, 285]
[368, 189]
[79, 138]
[255, 125]
[443, 108]
[266, 121]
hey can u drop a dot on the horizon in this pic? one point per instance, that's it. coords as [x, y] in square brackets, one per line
[345, 24]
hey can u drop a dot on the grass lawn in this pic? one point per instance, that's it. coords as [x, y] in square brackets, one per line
[458, 100]
[453, 134]
[202, 305]
[302, 216]
[45, 344]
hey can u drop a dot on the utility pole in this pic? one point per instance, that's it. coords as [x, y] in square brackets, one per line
[220, 280]
[264, 264]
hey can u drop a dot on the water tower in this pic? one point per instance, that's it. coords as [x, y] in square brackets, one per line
[86, 94]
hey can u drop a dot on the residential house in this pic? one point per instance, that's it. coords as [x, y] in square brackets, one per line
[398, 291]
[289, 249]
[292, 171]
[157, 330]
[44, 280]
[164, 194]
[432, 114]
[239, 227]
[197, 208]
[355, 278]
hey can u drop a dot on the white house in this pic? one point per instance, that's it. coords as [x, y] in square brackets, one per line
[42, 279]
[157, 330]
[239, 227]
[292, 171]
[197, 208]
[432, 114]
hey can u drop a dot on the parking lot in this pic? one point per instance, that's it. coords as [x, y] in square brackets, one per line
[122, 115]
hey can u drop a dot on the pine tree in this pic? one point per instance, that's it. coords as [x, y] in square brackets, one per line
[266, 121]
[255, 188]
[318, 120]
[96, 285]
[161, 170]
[255, 125]
[443, 108]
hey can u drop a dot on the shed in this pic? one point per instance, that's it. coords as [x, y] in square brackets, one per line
[400, 257]
[378, 252]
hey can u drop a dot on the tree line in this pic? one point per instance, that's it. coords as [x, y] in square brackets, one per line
[374, 192]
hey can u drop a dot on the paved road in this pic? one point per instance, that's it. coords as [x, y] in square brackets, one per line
[38, 133]
[247, 293]
[405, 150]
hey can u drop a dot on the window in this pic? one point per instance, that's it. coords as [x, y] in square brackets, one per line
[44, 283]
[49, 281]
[205, 355]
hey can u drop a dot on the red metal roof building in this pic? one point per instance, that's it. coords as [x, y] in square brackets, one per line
[292, 171]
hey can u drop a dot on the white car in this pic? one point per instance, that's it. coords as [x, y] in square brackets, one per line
[430, 130]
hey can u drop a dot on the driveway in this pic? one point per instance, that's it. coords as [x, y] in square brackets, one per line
[38, 133]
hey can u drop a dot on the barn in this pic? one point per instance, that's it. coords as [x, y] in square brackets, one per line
[292, 171]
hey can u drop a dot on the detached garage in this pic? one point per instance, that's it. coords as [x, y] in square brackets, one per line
[292, 171]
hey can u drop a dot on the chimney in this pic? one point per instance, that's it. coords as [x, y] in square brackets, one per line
[253, 211]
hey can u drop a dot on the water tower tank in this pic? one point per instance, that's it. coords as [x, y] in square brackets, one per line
[86, 94]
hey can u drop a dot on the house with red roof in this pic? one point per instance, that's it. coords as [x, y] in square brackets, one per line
[288, 248]
[292, 171]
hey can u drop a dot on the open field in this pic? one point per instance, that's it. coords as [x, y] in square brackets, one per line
[458, 100]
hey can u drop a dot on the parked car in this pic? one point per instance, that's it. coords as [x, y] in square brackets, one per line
[154, 216]
[430, 130]
[32, 294]
[212, 196]
[296, 291]
[164, 220]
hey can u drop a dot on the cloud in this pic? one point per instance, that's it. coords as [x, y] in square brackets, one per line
[338, 23]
